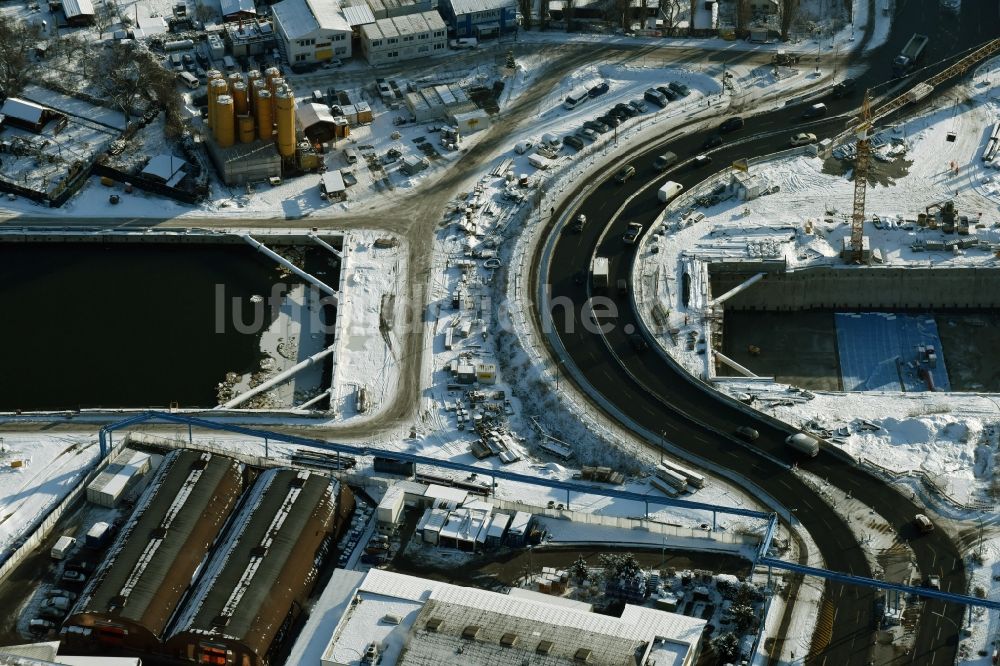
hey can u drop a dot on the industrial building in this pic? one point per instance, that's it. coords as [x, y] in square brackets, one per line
[78, 12]
[403, 37]
[130, 599]
[399, 620]
[250, 37]
[120, 476]
[312, 31]
[480, 18]
[253, 126]
[263, 570]
[438, 102]
[238, 10]
[391, 8]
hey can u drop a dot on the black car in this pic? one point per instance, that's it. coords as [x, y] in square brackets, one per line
[638, 342]
[844, 88]
[712, 141]
[610, 120]
[667, 92]
[597, 126]
[638, 105]
[731, 124]
[700, 161]
[598, 90]
[573, 141]
[627, 110]
[619, 114]
[679, 88]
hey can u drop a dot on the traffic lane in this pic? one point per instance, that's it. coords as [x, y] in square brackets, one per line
[850, 642]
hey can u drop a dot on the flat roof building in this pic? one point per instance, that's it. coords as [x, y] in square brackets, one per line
[431, 622]
[263, 570]
[132, 596]
[391, 8]
[403, 37]
[312, 31]
[480, 18]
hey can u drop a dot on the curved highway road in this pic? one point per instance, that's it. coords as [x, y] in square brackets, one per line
[654, 394]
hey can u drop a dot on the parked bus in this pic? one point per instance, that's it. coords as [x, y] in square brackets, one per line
[671, 477]
[694, 478]
[576, 98]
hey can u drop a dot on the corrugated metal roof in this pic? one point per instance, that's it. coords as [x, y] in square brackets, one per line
[280, 510]
[22, 109]
[299, 18]
[461, 7]
[401, 26]
[360, 14]
[312, 113]
[189, 491]
[233, 7]
[74, 8]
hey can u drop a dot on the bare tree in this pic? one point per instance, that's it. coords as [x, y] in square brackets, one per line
[204, 13]
[568, 11]
[17, 41]
[525, 7]
[694, 8]
[104, 17]
[670, 11]
[623, 13]
[789, 9]
[742, 17]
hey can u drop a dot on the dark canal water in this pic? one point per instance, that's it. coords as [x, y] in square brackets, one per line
[123, 325]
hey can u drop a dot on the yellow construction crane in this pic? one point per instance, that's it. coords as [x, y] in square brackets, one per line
[861, 182]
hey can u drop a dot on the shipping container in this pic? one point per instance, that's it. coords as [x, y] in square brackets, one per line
[389, 466]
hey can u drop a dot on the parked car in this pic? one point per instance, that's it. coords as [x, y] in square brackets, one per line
[667, 92]
[333, 62]
[655, 96]
[573, 141]
[587, 133]
[51, 613]
[598, 90]
[56, 592]
[632, 234]
[610, 120]
[747, 433]
[638, 105]
[664, 161]
[624, 174]
[732, 124]
[803, 139]
[712, 141]
[39, 626]
[597, 126]
[626, 109]
[700, 161]
[72, 576]
[679, 88]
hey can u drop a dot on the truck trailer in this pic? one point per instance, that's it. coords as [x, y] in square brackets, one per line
[599, 272]
[908, 57]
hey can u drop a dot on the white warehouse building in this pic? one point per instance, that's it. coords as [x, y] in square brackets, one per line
[403, 37]
[312, 31]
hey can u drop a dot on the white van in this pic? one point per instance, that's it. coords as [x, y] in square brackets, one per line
[189, 79]
[521, 147]
[552, 141]
[669, 190]
[351, 155]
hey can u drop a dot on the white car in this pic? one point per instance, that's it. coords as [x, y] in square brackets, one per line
[803, 139]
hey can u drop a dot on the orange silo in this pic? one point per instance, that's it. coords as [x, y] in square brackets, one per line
[265, 119]
[239, 92]
[225, 129]
[246, 129]
[254, 92]
[216, 87]
[270, 74]
[285, 120]
[213, 74]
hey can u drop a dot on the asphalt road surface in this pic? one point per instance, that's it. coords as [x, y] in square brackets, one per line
[654, 394]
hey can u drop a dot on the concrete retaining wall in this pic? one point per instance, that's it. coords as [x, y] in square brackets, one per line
[189, 236]
[864, 288]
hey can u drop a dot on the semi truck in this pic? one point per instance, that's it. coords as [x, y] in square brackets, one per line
[804, 443]
[909, 56]
[599, 272]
